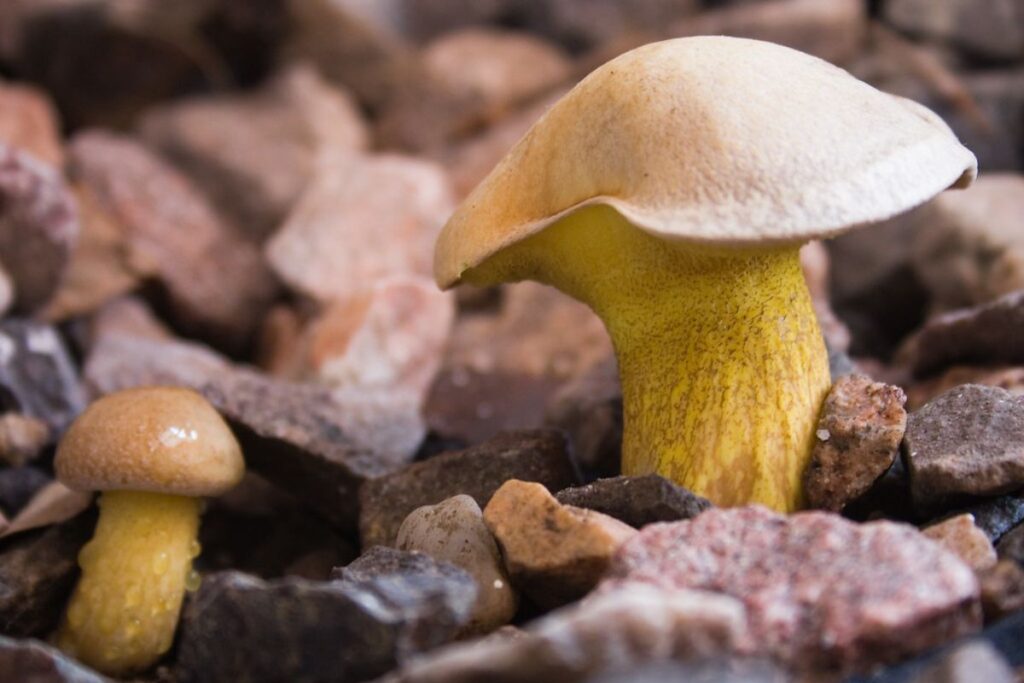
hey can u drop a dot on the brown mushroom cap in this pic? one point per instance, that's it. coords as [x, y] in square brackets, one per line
[158, 439]
[717, 140]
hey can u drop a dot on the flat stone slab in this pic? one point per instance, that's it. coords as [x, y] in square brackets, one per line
[637, 501]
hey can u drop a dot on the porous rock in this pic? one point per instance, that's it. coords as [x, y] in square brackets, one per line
[857, 439]
[478, 472]
[637, 501]
[822, 593]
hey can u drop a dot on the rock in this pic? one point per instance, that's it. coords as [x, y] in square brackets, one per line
[426, 19]
[38, 226]
[814, 261]
[971, 661]
[589, 410]
[1002, 590]
[215, 281]
[359, 222]
[300, 437]
[478, 472]
[28, 121]
[822, 593]
[1011, 545]
[1009, 378]
[37, 374]
[615, 631]
[997, 516]
[637, 501]
[454, 531]
[858, 437]
[17, 487]
[296, 630]
[721, 670]
[37, 572]
[22, 438]
[973, 250]
[969, 441]
[33, 661]
[554, 553]
[6, 291]
[502, 367]
[254, 154]
[588, 23]
[960, 535]
[993, 31]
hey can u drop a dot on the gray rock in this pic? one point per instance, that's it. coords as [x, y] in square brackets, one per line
[637, 501]
[968, 663]
[858, 437]
[18, 485]
[994, 30]
[998, 515]
[37, 572]
[352, 629]
[31, 661]
[822, 593]
[968, 441]
[477, 472]
[1011, 545]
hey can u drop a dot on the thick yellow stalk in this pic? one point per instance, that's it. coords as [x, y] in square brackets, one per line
[722, 363]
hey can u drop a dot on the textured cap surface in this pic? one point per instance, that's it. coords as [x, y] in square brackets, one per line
[717, 140]
[160, 439]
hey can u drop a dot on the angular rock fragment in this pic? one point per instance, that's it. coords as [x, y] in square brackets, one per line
[961, 536]
[966, 663]
[589, 410]
[37, 374]
[478, 472]
[1011, 545]
[32, 661]
[969, 441]
[454, 531]
[38, 226]
[637, 501]
[822, 593]
[17, 487]
[1002, 590]
[1010, 378]
[360, 221]
[554, 553]
[253, 155]
[22, 438]
[615, 631]
[216, 283]
[297, 630]
[997, 516]
[28, 121]
[858, 438]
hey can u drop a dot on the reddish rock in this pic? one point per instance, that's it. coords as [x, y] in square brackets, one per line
[478, 472]
[637, 501]
[215, 280]
[38, 226]
[857, 439]
[362, 221]
[821, 593]
[554, 553]
[960, 535]
[28, 121]
[968, 441]
[1002, 590]
[254, 154]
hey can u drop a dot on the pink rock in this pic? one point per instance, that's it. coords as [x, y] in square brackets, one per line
[28, 121]
[822, 593]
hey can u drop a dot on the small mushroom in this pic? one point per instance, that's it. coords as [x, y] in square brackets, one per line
[670, 191]
[154, 452]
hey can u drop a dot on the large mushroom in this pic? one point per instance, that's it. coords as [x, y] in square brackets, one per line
[670, 191]
[154, 452]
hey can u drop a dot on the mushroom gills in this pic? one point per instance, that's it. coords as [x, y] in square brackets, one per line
[135, 571]
[722, 363]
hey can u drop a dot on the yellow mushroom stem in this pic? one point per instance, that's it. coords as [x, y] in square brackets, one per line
[135, 571]
[722, 363]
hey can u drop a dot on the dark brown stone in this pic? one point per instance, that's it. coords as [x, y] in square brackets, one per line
[997, 516]
[22, 438]
[1002, 590]
[990, 30]
[637, 501]
[477, 471]
[821, 593]
[1011, 545]
[969, 441]
[32, 661]
[858, 437]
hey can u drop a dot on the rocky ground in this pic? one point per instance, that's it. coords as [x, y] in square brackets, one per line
[242, 198]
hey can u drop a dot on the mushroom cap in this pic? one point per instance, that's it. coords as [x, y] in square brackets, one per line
[158, 439]
[715, 140]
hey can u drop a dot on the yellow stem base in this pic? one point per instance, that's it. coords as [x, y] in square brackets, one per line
[722, 363]
[135, 571]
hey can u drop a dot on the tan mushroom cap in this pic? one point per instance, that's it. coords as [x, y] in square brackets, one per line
[158, 439]
[715, 140]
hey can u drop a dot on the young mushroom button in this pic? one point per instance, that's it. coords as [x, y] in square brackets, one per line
[154, 452]
[670, 190]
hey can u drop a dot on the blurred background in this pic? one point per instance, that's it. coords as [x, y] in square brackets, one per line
[265, 179]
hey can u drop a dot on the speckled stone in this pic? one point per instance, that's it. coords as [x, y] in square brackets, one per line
[822, 593]
[968, 441]
[960, 535]
[858, 437]
[637, 501]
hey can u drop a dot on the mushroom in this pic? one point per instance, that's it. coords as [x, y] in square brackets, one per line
[670, 190]
[154, 452]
